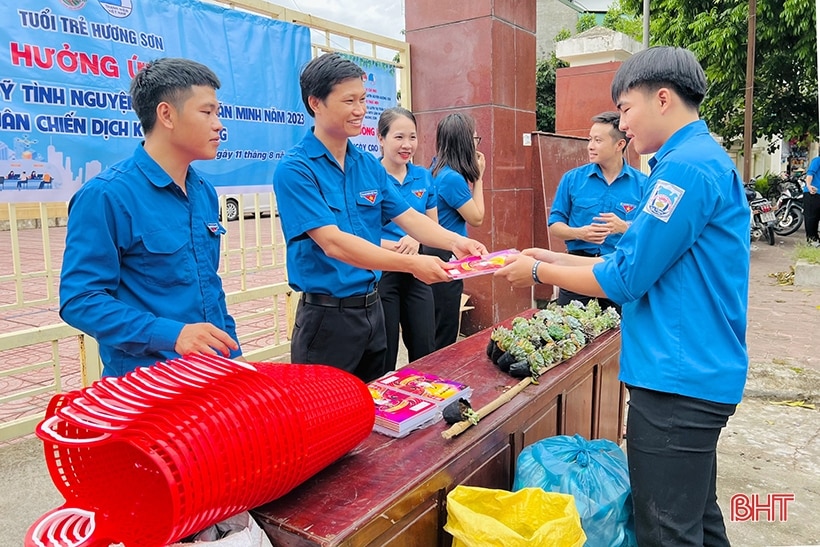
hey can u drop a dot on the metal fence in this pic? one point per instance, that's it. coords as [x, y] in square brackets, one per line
[40, 355]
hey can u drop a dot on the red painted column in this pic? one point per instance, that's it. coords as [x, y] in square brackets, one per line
[582, 92]
[478, 57]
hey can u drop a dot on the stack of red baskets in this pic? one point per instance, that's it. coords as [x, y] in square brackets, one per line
[167, 450]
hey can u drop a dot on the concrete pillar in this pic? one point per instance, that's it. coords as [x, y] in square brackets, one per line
[478, 57]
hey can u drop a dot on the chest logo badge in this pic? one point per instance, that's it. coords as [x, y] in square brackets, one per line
[370, 195]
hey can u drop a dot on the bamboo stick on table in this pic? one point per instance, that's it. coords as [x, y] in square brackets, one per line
[462, 426]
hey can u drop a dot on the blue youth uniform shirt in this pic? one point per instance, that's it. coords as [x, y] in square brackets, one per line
[453, 192]
[584, 194]
[312, 191]
[418, 191]
[681, 273]
[814, 168]
[141, 262]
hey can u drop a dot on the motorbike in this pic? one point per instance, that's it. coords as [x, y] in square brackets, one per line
[788, 207]
[762, 219]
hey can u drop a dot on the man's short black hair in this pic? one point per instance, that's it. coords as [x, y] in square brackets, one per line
[662, 66]
[322, 73]
[612, 119]
[168, 79]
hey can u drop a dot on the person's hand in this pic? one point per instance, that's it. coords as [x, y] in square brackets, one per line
[594, 233]
[812, 188]
[429, 269]
[204, 338]
[482, 163]
[518, 270]
[544, 255]
[615, 224]
[407, 246]
[465, 246]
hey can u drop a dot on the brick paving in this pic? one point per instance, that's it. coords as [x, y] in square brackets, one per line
[37, 283]
[783, 320]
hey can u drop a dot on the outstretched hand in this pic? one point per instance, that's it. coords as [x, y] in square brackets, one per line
[204, 338]
[518, 269]
[468, 247]
[429, 269]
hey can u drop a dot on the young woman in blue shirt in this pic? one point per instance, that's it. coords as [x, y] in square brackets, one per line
[458, 172]
[406, 300]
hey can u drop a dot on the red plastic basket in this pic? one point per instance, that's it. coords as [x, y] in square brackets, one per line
[165, 451]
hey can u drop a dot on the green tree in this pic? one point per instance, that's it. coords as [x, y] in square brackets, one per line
[585, 22]
[785, 77]
[545, 88]
[618, 18]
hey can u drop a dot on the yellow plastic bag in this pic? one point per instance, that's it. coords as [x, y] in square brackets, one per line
[482, 517]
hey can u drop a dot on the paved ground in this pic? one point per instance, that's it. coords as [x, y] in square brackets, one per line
[768, 448]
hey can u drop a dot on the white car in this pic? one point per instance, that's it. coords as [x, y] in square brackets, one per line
[267, 203]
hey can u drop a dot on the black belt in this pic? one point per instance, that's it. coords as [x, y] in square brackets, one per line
[362, 301]
[584, 253]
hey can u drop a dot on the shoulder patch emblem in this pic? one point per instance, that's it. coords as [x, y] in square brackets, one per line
[369, 195]
[663, 201]
[420, 193]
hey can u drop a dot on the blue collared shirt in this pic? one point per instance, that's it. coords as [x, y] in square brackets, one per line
[312, 191]
[141, 261]
[418, 191]
[584, 194]
[681, 272]
[453, 193]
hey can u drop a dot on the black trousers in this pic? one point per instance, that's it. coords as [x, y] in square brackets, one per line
[811, 215]
[407, 302]
[447, 298]
[672, 455]
[352, 339]
[565, 296]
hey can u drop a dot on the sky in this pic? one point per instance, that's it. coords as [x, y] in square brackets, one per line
[384, 17]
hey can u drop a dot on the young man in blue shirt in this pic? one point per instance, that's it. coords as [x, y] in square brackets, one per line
[596, 203]
[333, 201]
[142, 244]
[681, 273]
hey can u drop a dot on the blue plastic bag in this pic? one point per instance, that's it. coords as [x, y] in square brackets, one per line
[595, 473]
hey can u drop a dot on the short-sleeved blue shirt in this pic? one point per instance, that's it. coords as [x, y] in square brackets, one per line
[584, 194]
[312, 191]
[453, 192]
[814, 168]
[681, 273]
[141, 262]
[418, 191]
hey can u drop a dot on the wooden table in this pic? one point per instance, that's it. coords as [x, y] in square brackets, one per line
[392, 492]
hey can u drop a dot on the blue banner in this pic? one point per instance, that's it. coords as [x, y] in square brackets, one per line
[65, 112]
